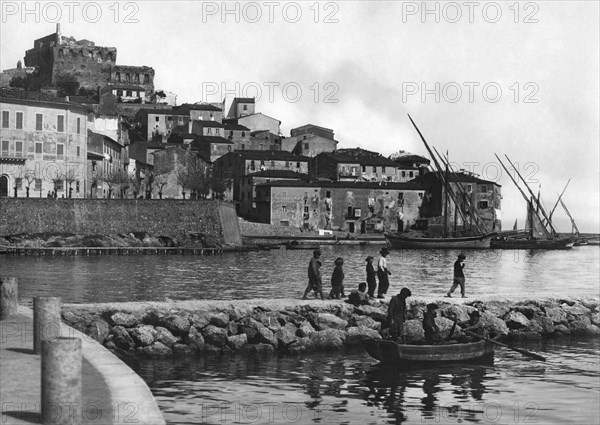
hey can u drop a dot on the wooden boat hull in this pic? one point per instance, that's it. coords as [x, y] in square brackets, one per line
[469, 242]
[532, 244]
[391, 352]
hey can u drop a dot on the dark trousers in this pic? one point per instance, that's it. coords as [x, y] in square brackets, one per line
[372, 285]
[384, 283]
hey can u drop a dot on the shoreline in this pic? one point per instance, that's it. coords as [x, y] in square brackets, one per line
[292, 327]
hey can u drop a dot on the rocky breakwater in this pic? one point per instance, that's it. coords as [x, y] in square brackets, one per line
[188, 328]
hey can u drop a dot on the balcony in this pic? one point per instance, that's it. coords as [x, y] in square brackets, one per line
[14, 157]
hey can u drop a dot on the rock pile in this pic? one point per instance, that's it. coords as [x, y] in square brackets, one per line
[297, 327]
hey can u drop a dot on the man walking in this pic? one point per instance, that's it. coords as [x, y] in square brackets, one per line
[459, 277]
[314, 276]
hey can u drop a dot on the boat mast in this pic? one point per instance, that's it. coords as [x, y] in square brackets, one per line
[558, 200]
[574, 226]
[446, 187]
[554, 232]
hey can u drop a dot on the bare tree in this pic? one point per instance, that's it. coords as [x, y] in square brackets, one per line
[115, 178]
[192, 177]
[70, 177]
[29, 178]
[161, 181]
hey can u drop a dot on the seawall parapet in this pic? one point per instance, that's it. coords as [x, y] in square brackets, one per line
[165, 329]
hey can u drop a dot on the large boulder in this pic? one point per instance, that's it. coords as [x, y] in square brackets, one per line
[177, 325]
[497, 308]
[456, 312]
[357, 334]
[445, 325]
[124, 319]
[377, 313]
[494, 325]
[327, 340]
[305, 329]
[286, 334]
[215, 335]
[266, 336]
[199, 321]
[596, 319]
[99, 330]
[365, 321]
[143, 335]
[196, 339]
[219, 319]
[413, 329]
[322, 321]
[557, 315]
[156, 351]
[164, 336]
[545, 324]
[590, 303]
[251, 327]
[122, 339]
[236, 342]
[529, 310]
[516, 320]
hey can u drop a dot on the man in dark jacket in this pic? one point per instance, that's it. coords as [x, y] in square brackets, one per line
[432, 330]
[314, 276]
[459, 277]
[397, 314]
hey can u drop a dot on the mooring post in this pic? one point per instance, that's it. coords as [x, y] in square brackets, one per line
[9, 293]
[61, 381]
[46, 320]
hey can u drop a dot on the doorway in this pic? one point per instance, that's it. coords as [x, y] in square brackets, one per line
[3, 187]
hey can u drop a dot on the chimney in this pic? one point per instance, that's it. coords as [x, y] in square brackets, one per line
[58, 37]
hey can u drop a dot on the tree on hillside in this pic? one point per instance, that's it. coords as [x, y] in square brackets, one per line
[67, 84]
[115, 178]
[218, 186]
[192, 177]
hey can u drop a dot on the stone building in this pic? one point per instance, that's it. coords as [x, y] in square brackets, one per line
[409, 165]
[354, 164]
[241, 106]
[484, 195]
[43, 145]
[355, 207]
[93, 66]
[247, 202]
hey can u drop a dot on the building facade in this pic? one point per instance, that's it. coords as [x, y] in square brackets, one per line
[43, 146]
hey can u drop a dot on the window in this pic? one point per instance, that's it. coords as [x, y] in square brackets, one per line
[39, 121]
[127, 77]
[208, 131]
[283, 209]
[357, 212]
[297, 165]
[77, 186]
[180, 120]
[18, 148]
[19, 120]
[229, 148]
[78, 151]
[217, 132]
[60, 151]
[157, 119]
[284, 222]
[484, 189]
[483, 205]
[287, 164]
[60, 123]
[19, 183]
[59, 185]
[383, 169]
[128, 93]
[245, 108]
[38, 184]
[243, 134]
[137, 78]
[411, 174]
[400, 195]
[403, 173]
[38, 148]
[469, 188]
[5, 118]
[350, 211]
[5, 146]
[364, 169]
[146, 78]
[78, 125]
[374, 169]
[252, 165]
[306, 209]
[420, 195]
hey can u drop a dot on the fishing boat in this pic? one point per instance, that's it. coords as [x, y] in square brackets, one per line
[399, 241]
[387, 351]
[473, 234]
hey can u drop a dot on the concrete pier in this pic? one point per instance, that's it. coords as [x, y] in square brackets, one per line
[46, 320]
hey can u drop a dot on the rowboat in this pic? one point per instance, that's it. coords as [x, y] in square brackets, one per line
[397, 241]
[510, 243]
[392, 352]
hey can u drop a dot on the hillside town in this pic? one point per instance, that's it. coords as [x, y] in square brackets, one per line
[77, 125]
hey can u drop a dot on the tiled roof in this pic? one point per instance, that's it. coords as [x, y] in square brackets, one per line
[280, 174]
[210, 139]
[244, 99]
[203, 123]
[270, 155]
[187, 107]
[348, 185]
[236, 127]
[8, 94]
[365, 157]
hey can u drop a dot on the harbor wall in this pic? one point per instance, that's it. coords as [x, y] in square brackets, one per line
[187, 328]
[178, 219]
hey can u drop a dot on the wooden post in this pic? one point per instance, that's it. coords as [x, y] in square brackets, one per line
[9, 294]
[61, 381]
[46, 320]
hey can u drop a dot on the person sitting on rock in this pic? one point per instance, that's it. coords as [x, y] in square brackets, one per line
[360, 296]
[432, 330]
[474, 328]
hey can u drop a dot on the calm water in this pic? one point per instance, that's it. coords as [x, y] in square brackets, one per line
[282, 274]
[352, 388]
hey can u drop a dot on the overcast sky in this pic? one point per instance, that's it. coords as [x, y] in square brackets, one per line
[521, 80]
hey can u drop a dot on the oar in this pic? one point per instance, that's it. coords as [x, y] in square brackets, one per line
[518, 350]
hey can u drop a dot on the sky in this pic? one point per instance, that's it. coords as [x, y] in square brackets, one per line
[512, 78]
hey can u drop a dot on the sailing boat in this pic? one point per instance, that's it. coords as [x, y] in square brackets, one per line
[480, 239]
[541, 233]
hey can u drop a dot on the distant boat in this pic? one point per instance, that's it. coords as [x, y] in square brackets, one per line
[392, 352]
[398, 241]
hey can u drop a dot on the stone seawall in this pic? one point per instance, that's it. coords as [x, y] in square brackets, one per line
[155, 329]
[172, 218]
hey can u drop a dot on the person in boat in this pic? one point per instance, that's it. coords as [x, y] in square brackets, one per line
[397, 314]
[459, 276]
[371, 281]
[360, 296]
[432, 330]
[383, 272]
[474, 327]
[337, 280]
[314, 276]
